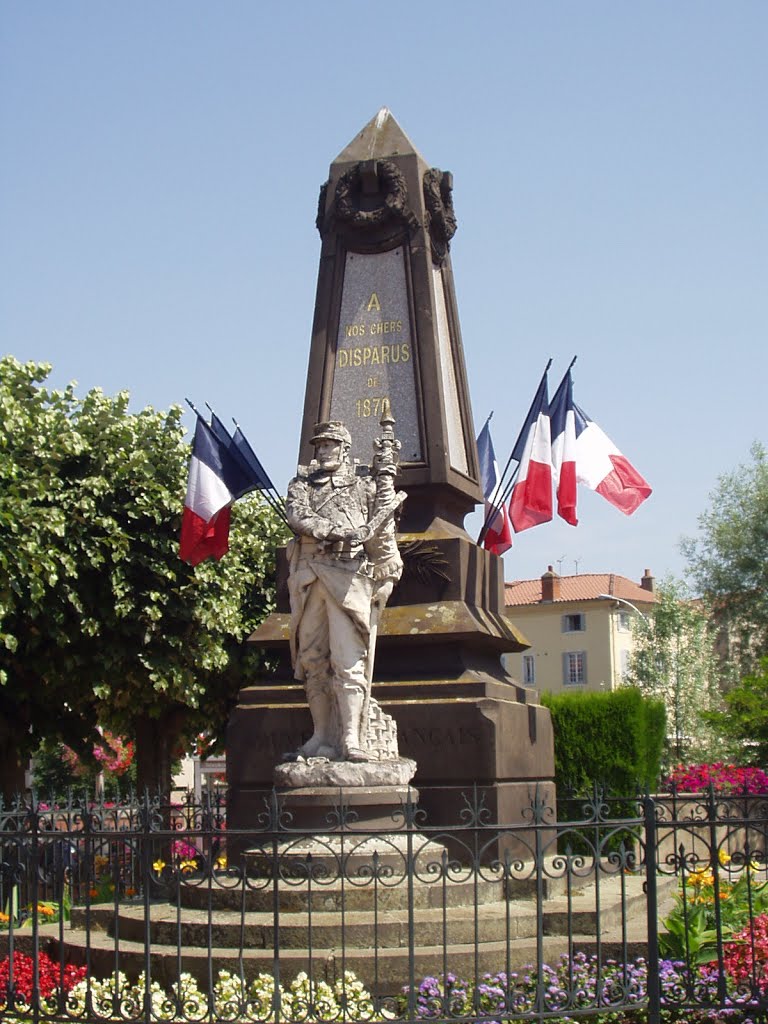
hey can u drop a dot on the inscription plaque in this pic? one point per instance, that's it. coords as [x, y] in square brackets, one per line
[374, 360]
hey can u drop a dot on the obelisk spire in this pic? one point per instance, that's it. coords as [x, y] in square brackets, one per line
[386, 331]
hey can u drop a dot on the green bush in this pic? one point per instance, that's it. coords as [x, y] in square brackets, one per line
[612, 739]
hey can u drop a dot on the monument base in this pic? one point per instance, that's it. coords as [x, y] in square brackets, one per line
[482, 743]
[342, 775]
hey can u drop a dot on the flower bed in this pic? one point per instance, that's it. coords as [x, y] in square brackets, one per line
[724, 778]
[577, 988]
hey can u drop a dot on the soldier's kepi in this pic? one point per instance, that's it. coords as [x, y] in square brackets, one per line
[344, 562]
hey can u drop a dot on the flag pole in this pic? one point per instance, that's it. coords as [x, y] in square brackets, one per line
[570, 367]
[270, 493]
[508, 487]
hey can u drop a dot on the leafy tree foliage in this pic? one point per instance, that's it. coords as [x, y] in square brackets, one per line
[100, 621]
[674, 661]
[729, 560]
[744, 719]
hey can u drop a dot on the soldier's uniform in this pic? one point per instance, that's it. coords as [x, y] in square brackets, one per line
[337, 589]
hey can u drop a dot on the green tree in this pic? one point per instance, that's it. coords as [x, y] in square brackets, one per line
[674, 660]
[744, 719]
[729, 561]
[100, 621]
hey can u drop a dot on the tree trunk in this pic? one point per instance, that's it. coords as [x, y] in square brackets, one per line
[13, 762]
[156, 741]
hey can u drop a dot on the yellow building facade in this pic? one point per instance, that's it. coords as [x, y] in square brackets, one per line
[579, 628]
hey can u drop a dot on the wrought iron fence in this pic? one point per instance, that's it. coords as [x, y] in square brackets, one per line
[652, 908]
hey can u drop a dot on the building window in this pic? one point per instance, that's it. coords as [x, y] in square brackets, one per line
[574, 668]
[575, 623]
[623, 622]
[624, 664]
[529, 669]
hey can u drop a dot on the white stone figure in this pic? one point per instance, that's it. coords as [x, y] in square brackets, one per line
[344, 563]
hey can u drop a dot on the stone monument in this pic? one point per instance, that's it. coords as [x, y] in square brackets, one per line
[343, 564]
[386, 342]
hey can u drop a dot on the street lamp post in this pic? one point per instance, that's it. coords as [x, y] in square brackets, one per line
[623, 600]
[635, 609]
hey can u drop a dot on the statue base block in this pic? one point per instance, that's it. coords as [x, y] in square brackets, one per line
[319, 771]
[354, 809]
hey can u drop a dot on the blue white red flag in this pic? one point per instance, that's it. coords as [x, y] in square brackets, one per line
[531, 501]
[562, 417]
[216, 479]
[601, 466]
[252, 473]
[498, 533]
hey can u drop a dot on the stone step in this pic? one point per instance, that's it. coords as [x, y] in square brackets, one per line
[383, 971]
[385, 928]
[434, 885]
[332, 894]
[494, 936]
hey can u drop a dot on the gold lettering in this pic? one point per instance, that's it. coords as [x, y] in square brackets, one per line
[399, 324]
[366, 407]
[406, 355]
[395, 353]
[356, 357]
[343, 357]
[375, 357]
[373, 303]
[385, 353]
[373, 382]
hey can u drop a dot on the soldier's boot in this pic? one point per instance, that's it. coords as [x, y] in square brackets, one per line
[319, 744]
[351, 711]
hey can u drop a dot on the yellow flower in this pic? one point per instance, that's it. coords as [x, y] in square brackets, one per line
[4, 918]
[724, 857]
[46, 910]
[702, 877]
[221, 862]
[158, 865]
[188, 865]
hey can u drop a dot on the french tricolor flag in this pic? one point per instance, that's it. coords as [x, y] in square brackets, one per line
[601, 466]
[497, 535]
[531, 501]
[562, 414]
[216, 479]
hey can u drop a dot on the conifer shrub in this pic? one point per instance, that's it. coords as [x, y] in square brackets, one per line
[613, 739]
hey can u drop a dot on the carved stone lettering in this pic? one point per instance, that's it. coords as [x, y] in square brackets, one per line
[373, 371]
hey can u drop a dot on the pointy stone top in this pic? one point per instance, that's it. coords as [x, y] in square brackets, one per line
[382, 137]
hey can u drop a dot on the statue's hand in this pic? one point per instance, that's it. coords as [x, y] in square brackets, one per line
[356, 535]
[350, 534]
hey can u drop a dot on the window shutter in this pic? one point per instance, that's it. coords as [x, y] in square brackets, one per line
[584, 676]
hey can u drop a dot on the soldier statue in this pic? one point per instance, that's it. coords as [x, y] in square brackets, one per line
[344, 563]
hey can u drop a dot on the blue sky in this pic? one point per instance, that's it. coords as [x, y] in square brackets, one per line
[158, 187]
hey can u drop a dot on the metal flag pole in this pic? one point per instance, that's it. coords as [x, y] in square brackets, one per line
[492, 512]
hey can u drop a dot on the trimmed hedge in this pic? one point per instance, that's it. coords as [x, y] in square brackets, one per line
[615, 739]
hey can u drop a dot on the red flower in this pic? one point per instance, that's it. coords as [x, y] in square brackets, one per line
[748, 953]
[50, 976]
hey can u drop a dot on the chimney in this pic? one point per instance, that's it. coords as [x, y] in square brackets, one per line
[648, 582]
[550, 585]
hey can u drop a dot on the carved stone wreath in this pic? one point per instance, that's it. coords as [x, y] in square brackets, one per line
[393, 188]
[441, 220]
[320, 218]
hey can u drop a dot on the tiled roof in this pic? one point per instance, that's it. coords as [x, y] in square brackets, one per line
[585, 587]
